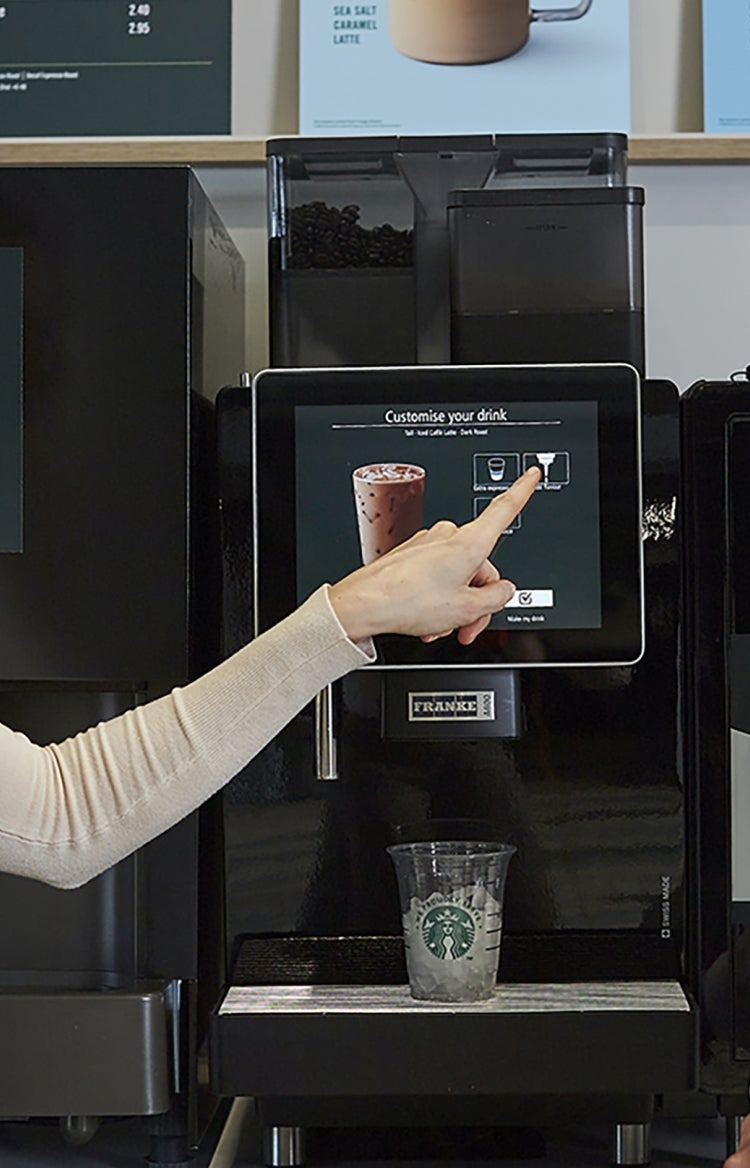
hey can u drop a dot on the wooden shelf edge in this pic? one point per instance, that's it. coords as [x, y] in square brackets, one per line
[132, 151]
[226, 151]
[696, 148]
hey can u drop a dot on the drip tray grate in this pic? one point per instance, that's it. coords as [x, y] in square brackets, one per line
[294, 960]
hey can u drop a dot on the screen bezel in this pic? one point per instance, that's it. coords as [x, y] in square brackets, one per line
[616, 390]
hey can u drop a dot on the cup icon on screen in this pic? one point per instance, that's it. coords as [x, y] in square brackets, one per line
[496, 467]
[389, 499]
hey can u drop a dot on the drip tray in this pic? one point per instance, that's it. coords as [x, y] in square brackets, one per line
[554, 1038]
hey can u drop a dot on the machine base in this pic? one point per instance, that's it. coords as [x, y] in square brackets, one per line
[354, 1041]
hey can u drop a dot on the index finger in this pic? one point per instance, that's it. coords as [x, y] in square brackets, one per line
[498, 515]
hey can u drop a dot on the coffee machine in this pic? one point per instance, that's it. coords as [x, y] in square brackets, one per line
[585, 772]
[122, 315]
[585, 779]
[716, 529]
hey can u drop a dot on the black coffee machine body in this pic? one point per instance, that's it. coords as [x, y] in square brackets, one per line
[123, 315]
[591, 785]
[590, 790]
[716, 530]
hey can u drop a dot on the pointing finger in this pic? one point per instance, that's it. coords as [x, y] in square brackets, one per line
[498, 515]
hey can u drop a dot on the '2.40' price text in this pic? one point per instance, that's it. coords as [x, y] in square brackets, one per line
[136, 25]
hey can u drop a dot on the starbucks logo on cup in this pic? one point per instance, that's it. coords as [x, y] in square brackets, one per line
[448, 931]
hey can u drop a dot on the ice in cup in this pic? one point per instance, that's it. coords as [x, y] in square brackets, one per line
[389, 499]
[451, 894]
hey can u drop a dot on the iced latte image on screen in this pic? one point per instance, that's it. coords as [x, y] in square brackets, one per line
[389, 500]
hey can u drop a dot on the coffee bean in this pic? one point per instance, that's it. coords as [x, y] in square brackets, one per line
[322, 236]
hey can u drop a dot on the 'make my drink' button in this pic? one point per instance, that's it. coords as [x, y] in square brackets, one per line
[532, 598]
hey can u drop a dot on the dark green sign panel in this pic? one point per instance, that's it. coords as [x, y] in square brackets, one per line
[11, 396]
[113, 67]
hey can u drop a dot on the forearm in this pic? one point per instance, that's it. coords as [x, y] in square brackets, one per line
[72, 809]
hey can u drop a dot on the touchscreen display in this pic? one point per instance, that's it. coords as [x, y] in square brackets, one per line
[350, 462]
[379, 473]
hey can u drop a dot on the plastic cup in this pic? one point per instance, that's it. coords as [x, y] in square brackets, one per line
[451, 894]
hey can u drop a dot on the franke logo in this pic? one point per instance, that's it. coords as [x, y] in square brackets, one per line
[446, 706]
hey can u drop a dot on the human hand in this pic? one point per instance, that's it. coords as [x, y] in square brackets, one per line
[436, 582]
[741, 1158]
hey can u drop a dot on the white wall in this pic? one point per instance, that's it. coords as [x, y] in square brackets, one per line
[264, 67]
[239, 195]
[697, 217]
[697, 270]
[666, 68]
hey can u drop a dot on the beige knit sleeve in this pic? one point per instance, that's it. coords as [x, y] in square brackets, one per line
[70, 810]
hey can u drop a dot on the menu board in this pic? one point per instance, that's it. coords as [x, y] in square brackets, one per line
[464, 67]
[726, 57]
[115, 67]
[11, 375]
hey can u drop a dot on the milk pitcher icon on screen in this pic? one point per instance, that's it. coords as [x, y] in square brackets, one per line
[468, 32]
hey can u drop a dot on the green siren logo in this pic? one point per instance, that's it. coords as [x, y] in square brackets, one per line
[448, 931]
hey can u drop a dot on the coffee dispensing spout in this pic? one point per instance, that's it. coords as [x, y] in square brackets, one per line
[326, 744]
